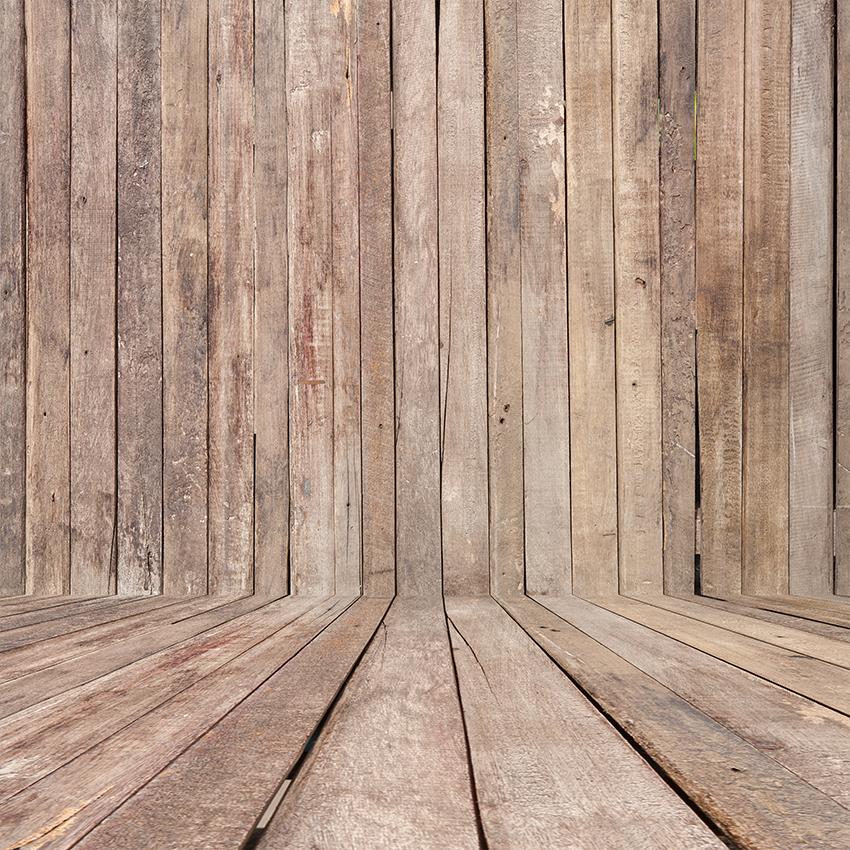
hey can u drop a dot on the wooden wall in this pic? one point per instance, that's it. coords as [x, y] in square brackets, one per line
[424, 294]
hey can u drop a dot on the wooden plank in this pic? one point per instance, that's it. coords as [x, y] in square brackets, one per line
[376, 290]
[271, 303]
[231, 297]
[767, 161]
[677, 93]
[637, 295]
[28, 617]
[402, 700]
[719, 272]
[773, 808]
[13, 170]
[417, 360]
[544, 759]
[504, 300]
[310, 300]
[94, 65]
[836, 613]
[48, 476]
[811, 293]
[184, 296]
[590, 249]
[341, 58]
[261, 737]
[463, 298]
[139, 530]
[546, 404]
[67, 804]
[24, 604]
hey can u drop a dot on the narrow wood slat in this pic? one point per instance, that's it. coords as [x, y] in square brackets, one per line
[25, 604]
[766, 295]
[543, 266]
[590, 250]
[637, 293]
[719, 272]
[13, 171]
[401, 700]
[184, 296]
[48, 480]
[376, 295]
[417, 361]
[677, 91]
[546, 763]
[261, 737]
[231, 296]
[13, 620]
[463, 299]
[139, 305]
[769, 808]
[504, 300]
[837, 612]
[271, 302]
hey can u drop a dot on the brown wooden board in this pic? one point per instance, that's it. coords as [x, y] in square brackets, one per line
[836, 612]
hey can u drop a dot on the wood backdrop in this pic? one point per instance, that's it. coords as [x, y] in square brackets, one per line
[545, 294]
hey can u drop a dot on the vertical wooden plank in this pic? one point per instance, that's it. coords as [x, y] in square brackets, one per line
[93, 282]
[12, 300]
[463, 299]
[271, 330]
[376, 296]
[766, 293]
[677, 81]
[310, 299]
[546, 404]
[139, 300]
[504, 301]
[719, 269]
[416, 299]
[231, 296]
[590, 245]
[811, 355]
[184, 296]
[637, 293]
[48, 291]
[347, 484]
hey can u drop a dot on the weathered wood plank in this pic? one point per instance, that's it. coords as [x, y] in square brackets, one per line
[48, 475]
[184, 296]
[417, 360]
[719, 272]
[271, 302]
[767, 162]
[546, 403]
[677, 85]
[13, 332]
[504, 300]
[836, 613]
[590, 250]
[637, 293]
[463, 298]
[231, 296]
[139, 307]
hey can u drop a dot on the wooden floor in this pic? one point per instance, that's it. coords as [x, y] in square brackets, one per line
[345, 722]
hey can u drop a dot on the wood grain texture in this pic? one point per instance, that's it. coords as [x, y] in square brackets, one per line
[767, 163]
[504, 301]
[463, 299]
[546, 402]
[231, 296]
[719, 271]
[94, 64]
[184, 296]
[677, 91]
[12, 300]
[416, 268]
[377, 371]
[139, 300]
[271, 302]
[48, 475]
[637, 293]
[590, 249]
